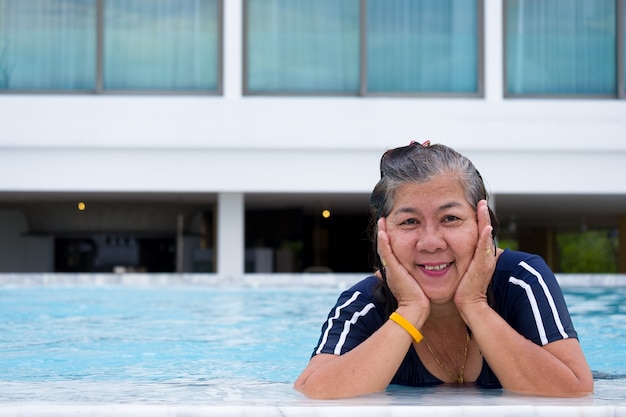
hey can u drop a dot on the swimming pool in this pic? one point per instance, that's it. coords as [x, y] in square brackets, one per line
[153, 345]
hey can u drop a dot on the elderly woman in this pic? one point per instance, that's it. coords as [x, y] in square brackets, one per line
[445, 305]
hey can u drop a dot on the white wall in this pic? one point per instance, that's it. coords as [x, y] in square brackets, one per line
[298, 144]
[232, 143]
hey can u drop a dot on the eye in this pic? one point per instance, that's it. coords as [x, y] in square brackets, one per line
[450, 218]
[410, 222]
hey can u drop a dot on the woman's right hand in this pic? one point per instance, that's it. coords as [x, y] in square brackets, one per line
[405, 288]
[370, 366]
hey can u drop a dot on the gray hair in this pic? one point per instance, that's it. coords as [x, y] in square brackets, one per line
[417, 164]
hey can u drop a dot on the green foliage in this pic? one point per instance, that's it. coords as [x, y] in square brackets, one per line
[588, 252]
[509, 243]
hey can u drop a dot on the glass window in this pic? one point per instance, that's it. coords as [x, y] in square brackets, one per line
[560, 47]
[47, 44]
[161, 45]
[422, 46]
[408, 46]
[302, 46]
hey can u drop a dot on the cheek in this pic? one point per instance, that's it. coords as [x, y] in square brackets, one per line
[401, 241]
[465, 246]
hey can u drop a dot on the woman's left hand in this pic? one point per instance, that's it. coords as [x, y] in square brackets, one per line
[473, 285]
[557, 369]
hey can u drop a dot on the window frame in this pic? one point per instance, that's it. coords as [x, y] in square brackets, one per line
[363, 81]
[619, 55]
[245, 90]
[99, 66]
[621, 48]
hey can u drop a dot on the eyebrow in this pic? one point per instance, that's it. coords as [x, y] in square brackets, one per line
[446, 206]
[451, 204]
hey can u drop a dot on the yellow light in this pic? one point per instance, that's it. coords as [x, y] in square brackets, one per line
[81, 206]
[325, 214]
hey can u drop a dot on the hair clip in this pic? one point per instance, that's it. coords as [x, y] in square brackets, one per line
[424, 144]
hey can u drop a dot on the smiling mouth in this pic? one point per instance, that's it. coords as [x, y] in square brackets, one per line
[436, 267]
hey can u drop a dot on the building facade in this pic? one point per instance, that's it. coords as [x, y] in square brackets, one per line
[209, 136]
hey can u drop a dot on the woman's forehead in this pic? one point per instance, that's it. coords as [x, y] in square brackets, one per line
[441, 192]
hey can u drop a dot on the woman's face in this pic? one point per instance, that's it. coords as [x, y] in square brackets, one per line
[433, 232]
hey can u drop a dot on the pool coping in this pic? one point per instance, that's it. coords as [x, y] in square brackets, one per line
[332, 280]
[305, 411]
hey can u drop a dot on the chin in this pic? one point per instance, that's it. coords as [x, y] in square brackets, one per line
[439, 298]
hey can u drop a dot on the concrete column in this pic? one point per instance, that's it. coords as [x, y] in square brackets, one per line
[493, 42]
[621, 251]
[232, 66]
[230, 234]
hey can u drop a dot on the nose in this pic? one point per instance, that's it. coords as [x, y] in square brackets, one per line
[431, 240]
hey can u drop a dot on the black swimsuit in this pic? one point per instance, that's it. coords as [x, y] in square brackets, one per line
[526, 294]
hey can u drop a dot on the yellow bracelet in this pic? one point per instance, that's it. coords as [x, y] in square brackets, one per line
[406, 325]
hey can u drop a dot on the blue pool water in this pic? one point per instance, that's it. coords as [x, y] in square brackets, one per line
[202, 345]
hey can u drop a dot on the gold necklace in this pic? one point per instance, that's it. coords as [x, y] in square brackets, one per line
[459, 379]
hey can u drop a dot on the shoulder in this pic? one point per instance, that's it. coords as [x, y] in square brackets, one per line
[361, 293]
[520, 275]
[355, 316]
[511, 260]
[524, 266]
[366, 286]
[528, 296]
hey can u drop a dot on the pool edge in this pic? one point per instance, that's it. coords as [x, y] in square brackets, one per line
[617, 410]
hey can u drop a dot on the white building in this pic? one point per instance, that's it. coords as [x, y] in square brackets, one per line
[170, 173]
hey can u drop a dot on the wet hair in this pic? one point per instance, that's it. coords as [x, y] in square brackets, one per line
[417, 164]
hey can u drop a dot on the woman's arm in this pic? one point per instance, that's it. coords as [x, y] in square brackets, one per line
[556, 369]
[367, 368]
[371, 365]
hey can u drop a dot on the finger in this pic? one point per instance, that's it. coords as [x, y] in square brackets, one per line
[482, 212]
[487, 241]
[384, 245]
[485, 229]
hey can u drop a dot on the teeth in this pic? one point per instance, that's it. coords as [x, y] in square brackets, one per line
[435, 267]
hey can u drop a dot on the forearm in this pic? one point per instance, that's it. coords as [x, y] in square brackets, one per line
[367, 368]
[521, 365]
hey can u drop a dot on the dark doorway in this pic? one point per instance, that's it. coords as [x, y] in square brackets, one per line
[126, 253]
